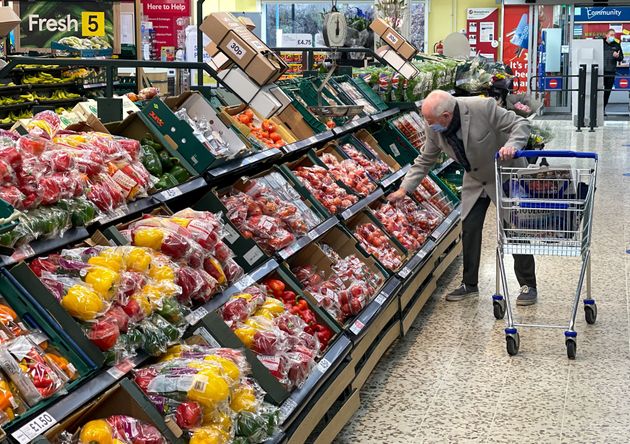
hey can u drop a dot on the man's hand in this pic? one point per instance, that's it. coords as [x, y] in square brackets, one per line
[616, 54]
[507, 153]
[397, 195]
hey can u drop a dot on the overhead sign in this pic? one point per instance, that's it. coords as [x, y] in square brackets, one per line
[46, 22]
[606, 14]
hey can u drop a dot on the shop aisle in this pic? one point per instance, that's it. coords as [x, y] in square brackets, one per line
[451, 380]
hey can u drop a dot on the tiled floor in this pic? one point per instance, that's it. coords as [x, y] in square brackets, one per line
[451, 381]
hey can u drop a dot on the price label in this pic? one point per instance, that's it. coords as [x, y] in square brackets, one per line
[236, 49]
[287, 407]
[392, 38]
[253, 255]
[230, 233]
[205, 334]
[394, 148]
[323, 365]
[381, 298]
[245, 282]
[93, 24]
[196, 315]
[34, 428]
[404, 272]
[171, 193]
[346, 214]
[313, 235]
[357, 327]
[121, 369]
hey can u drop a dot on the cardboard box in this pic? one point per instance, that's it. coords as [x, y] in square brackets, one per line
[407, 50]
[220, 62]
[392, 38]
[8, 20]
[408, 71]
[240, 83]
[280, 96]
[371, 146]
[379, 26]
[237, 49]
[266, 68]
[229, 113]
[218, 24]
[391, 57]
[90, 107]
[295, 123]
[247, 22]
[125, 398]
[265, 104]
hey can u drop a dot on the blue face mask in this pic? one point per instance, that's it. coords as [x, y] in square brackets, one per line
[610, 39]
[438, 128]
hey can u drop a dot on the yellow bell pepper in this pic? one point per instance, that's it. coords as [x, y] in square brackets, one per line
[152, 294]
[264, 313]
[220, 274]
[138, 260]
[162, 273]
[228, 366]
[246, 335]
[274, 306]
[111, 262]
[148, 237]
[102, 280]
[96, 432]
[82, 303]
[209, 435]
[217, 418]
[244, 400]
[208, 389]
[144, 304]
[181, 221]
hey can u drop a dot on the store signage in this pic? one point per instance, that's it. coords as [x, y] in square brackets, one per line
[482, 29]
[297, 40]
[516, 43]
[46, 22]
[169, 19]
[622, 83]
[606, 14]
[553, 83]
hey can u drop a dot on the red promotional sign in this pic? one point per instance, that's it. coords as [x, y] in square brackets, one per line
[482, 30]
[516, 43]
[169, 17]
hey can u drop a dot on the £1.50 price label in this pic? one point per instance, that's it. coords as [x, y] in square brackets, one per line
[93, 24]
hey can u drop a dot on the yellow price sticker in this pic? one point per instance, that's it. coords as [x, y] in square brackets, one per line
[92, 24]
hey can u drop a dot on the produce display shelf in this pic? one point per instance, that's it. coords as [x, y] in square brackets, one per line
[444, 165]
[43, 246]
[17, 106]
[362, 322]
[447, 224]
[385, 114]
[247, 162]
[352, 125]
[354, 209]
[303, 145]
[6, 125]
[57, 102]
[332, 360]
[393, 178]
[312, 235]
[52, 85]
[97, 85]
[14, 88]
[416, 261]
[25, 431]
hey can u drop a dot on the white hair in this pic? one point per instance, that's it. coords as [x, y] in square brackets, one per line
[443, 102]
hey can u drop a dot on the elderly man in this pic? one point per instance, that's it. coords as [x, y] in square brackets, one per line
[472, 131]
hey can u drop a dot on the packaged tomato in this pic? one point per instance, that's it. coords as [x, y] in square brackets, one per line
[375, 242]
[321, 184]
[376, 168]
[350, 173]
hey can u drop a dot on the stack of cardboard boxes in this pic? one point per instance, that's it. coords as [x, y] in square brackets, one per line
[244, 62]
[398, 51]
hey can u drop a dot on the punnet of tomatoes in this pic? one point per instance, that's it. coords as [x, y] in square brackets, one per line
[299, 307]
[265, 131]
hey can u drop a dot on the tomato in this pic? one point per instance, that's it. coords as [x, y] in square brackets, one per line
[249, 112]
[276, 286]
[268, 126]
[245, 119]
[330, 124]
[275, 137]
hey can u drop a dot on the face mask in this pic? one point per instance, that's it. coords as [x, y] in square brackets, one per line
[438, 128]
[610, 39]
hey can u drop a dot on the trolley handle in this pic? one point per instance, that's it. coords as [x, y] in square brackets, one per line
[552, 153]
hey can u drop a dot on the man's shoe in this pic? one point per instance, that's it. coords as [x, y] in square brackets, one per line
[528, 296]
[462, 292]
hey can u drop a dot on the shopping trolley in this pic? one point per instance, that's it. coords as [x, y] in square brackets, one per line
[545, 211]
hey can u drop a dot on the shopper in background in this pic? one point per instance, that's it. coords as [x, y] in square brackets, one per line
[613, 54]
[471, 131]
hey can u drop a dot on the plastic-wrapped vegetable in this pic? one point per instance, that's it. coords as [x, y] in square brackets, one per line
[376, 168]
[116, 429]
[375, 242]
[11, 404]
[320, 182]
[349, 172]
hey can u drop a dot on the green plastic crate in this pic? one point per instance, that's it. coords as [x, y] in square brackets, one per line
[369, 93]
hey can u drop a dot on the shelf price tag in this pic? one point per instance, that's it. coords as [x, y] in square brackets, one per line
[287, 407]
[382, 297]
[171, 193]
[23, 252]
[92, 24]
[34, 428]
[196, 315]
[357, 327]
[323, 365]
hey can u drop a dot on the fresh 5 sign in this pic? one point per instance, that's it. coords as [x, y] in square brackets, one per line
[44, 22]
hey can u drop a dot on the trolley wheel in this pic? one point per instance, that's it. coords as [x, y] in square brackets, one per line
[512, 342]
[499, 308]
[571, 347]
[590, 313]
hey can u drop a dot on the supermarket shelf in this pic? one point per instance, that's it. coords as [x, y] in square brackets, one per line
[17, 106]
[184, 188]
[248, 162]
[305, 144]
[417, 261]
[332, 359]
[58, 102]
[447, 163]
[447, 224]
[43, 246]
[302, 242]
[96, 85]
[352, 125]
[385, 114]
[385, 183]
[71, 403]
[10, 89]
[362, 322]
[51, 85]
[354, 209]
